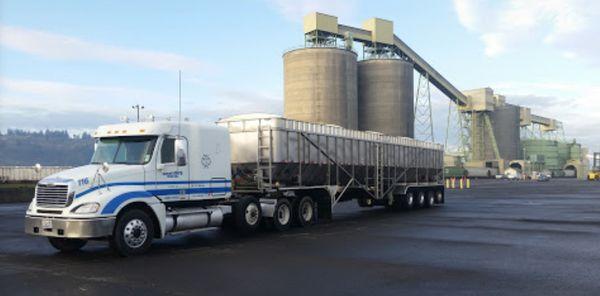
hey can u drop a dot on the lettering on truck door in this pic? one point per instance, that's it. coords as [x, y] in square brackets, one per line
[172, 181]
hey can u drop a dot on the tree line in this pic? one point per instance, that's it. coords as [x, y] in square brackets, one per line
[48, 148]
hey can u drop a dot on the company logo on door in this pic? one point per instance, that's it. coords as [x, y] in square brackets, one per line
[175, 174]
[206, 161]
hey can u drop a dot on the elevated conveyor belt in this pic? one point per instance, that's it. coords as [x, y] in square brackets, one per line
[541, 120]
[419, 63]
[401, 48]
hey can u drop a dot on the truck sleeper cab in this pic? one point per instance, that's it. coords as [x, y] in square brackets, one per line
[150, 179]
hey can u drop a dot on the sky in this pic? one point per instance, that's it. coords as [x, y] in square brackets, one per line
[78, 64]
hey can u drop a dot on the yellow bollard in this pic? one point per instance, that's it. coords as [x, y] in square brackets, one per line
[452, 183]
[460, 183]
[447, 183]
[468, 183]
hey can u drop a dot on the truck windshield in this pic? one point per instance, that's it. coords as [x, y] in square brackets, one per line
[124, 150]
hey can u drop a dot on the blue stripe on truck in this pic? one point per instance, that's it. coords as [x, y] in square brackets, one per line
[112, 205]
[216, 181]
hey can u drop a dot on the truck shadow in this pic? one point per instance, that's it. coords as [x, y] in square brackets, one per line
[223, 239]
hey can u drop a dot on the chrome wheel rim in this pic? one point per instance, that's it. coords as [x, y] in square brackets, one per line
[135, 233]
[283, 214]
[421, 198]
[306, 211]
[252, 214]
[409, 199]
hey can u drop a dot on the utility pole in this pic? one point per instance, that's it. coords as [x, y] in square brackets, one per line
[137, 107]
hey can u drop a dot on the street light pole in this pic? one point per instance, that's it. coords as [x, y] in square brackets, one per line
[137, 107]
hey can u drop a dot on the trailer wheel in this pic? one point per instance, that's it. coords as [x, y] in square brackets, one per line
[67, 245]
[133, 233]
[420, 199]
[282, 216]
[304, 211]
[408, 202]
[247, 214]
[430, 199]
[439, 197]
[365, 202]
[390, 203]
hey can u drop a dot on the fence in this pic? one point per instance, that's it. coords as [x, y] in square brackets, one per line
[27, 173]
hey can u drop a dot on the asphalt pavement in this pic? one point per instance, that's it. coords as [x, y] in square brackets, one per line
[499, 238]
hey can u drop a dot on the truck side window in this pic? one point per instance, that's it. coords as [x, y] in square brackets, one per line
[167, 151]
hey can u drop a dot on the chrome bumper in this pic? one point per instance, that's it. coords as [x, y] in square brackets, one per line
[72, 228]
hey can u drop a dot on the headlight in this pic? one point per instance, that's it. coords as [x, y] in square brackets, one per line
[86, 208]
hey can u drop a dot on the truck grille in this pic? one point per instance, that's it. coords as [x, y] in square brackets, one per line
[52, 196]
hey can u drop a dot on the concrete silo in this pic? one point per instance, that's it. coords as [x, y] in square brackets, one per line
[506, 122]
[320, 86]
[385, 97]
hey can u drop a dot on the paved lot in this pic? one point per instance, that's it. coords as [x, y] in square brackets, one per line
[500, 238]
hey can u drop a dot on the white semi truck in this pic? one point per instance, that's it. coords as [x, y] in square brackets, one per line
[150, 179]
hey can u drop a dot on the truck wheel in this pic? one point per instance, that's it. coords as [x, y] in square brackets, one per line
[247, 214]
[133, 233]
[420, 199]
[67, 245]
[439, 197]
[304, 210]
[408, 202]
[365, 202]
[282, 216]
[430, 199]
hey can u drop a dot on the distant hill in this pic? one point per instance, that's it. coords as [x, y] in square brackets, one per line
[19, 147]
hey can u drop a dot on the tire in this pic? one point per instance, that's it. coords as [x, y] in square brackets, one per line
[247, 215]
[420, 200]
[391, 204]
[67, 245]
[365, 202]
[133, 233]
[429, 199]
[304, 211]
[408, 201]
[282, 215]
[439, 197]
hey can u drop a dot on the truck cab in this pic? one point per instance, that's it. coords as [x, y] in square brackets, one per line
[138, 173]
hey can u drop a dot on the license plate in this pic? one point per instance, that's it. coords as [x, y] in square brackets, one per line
[46, 224]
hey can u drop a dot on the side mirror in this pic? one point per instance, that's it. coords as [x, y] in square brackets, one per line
[180, 152]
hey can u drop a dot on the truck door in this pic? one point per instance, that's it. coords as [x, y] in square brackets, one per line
[172, 180]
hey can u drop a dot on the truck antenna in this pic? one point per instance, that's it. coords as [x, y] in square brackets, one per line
[179, 123]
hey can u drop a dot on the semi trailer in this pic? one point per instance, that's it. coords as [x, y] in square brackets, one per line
[150, 179]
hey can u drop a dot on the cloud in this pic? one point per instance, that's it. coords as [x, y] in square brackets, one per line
[234, 102]
[60, 96]
[295, 10]
[39, 104]
[34, 118]
[571, 26]
[572, 104]
[54, 46]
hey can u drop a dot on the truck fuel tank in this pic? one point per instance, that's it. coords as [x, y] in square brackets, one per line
[193, 218]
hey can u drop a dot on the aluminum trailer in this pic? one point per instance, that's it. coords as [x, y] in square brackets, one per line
[273, 156]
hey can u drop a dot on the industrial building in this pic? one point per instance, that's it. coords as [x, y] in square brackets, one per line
[561, 159]
[363, 78]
